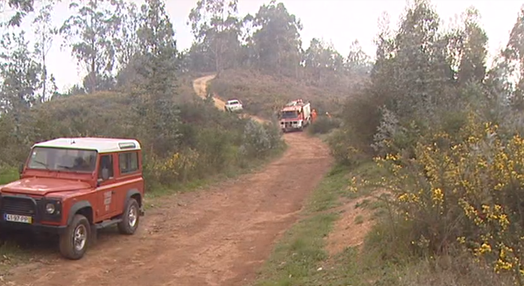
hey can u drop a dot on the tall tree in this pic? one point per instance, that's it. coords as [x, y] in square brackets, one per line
[357, 61]
[127, 44]
[91, 32]
[276, 39]
[20, 73]
[473, 49]
[156, 66]
[127, 41]
[421, 69]
[157, 48]
[216, 27]
[514, 57]
[45, 32]
[21, 8]
[322, 61]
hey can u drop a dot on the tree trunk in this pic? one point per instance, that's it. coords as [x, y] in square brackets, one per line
[44, 84]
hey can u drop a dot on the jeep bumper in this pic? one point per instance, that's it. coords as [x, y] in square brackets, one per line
[28, 213]
[35, 227]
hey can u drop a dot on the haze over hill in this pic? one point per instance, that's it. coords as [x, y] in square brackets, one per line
[339, 22]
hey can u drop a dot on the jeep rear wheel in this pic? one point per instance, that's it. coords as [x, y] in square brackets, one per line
[75, 239]
[130, 218]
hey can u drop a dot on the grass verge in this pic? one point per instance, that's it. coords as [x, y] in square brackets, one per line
[8, 175]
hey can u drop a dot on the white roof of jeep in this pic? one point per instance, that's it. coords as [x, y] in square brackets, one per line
[102, 145]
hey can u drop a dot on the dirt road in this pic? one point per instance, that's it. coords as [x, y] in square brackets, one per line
[217, 236]
[200, 85]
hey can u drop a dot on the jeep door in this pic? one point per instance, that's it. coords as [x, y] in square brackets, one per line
[129, 174]
[107, 204]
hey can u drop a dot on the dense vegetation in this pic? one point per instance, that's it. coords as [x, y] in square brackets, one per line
[447, 129]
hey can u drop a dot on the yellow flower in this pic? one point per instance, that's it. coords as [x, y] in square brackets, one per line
[437, 196]
[485, 248]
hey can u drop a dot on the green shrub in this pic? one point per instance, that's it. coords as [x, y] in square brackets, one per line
[323, 125]
[8, 174]
[260, 139]
[460, 191]
[342, 147]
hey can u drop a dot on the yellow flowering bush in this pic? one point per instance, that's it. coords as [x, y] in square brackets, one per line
[465, 188]
[175, 167]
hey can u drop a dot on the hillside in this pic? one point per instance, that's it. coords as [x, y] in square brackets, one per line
[263, 94]
[185, 138]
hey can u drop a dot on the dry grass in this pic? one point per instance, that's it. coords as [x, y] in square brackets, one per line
[264, 94]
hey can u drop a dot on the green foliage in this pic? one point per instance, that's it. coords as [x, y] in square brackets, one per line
[8, 174]
[320, 60]
[453, 180]
[90, 32]
[259, 140]
[323, 125]
[20, 73]
[463, 188]
[21, 9]
[45, 33]
[272, 22]
[216, 28]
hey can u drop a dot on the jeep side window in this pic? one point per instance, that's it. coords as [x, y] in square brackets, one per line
[128, 162]
[106, 162]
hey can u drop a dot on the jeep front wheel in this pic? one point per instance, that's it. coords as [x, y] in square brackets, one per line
[74, 241]
[130, 218]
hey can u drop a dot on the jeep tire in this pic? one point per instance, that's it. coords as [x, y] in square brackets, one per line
[130, 218]
[76, 238]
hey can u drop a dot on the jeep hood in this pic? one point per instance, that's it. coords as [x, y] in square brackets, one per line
[43, 186]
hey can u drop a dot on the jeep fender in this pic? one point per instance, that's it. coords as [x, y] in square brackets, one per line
[75, 208]
[131, 193]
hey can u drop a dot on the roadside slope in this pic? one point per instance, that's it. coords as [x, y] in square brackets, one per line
[218, 236]
[200, 86]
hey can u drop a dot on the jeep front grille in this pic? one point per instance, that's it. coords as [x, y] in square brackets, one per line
[19, 206]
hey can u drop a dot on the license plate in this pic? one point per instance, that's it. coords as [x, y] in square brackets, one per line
[18, 218]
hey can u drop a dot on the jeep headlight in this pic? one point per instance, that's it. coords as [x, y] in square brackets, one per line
[50, 208]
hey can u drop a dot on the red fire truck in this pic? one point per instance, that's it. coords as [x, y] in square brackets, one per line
[295, 115]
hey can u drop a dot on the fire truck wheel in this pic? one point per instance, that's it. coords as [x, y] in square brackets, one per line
[130, 218]
[75, 239]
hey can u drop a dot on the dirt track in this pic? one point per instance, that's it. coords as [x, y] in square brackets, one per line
[217, 236]
[200, 85]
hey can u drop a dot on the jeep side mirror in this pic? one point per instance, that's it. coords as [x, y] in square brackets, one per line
[105, 174]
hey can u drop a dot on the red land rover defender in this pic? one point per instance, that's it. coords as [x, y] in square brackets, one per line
[74, 186]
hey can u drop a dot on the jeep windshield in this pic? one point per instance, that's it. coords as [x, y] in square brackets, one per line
[62, 159]
[233, 102]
